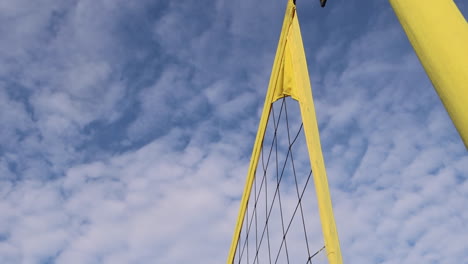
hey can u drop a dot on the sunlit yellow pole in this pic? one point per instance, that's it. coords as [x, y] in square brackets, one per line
[438, 33]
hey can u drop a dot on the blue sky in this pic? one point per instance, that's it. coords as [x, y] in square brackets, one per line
[126, 130]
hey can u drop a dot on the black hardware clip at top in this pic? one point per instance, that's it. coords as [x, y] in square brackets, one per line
[322, 2]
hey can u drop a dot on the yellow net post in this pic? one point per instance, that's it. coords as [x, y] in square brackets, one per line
[438, 33]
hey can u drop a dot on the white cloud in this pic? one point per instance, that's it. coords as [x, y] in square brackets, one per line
[148, 205]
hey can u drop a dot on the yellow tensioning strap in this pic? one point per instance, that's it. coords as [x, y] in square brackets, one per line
[438, 33]
[290, 77]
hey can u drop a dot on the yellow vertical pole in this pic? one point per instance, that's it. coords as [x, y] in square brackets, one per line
[438, 33]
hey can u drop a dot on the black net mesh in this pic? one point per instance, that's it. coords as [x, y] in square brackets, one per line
[281, 224]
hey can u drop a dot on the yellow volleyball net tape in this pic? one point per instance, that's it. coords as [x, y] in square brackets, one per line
[290, 79]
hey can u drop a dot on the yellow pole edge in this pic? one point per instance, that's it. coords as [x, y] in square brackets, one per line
[438, 33]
